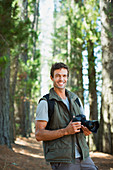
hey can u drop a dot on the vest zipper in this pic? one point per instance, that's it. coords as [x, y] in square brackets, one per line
[73, 136]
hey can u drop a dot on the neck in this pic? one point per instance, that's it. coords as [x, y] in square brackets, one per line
[60, 92]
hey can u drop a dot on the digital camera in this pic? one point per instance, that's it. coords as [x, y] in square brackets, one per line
[91, 125]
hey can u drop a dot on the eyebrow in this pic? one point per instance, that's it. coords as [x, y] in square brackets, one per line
[61, 74]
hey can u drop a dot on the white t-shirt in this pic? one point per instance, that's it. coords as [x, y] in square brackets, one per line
[42, 111]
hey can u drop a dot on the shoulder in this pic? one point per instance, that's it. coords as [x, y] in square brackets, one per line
[71, 94]
[74, 97]
[42, 111]
[42, 101]
[42, 104]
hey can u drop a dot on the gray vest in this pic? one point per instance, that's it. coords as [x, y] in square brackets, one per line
[63, 149]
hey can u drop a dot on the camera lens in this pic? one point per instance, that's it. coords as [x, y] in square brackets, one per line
[93, 125]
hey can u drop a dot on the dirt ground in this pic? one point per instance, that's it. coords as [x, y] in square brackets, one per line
[27, 154]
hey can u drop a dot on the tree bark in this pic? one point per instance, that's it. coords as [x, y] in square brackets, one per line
[106, 9]
[4, 103]
[93, 139]
[14, 72]
[23, 109]
[35, 26]
[5, 17]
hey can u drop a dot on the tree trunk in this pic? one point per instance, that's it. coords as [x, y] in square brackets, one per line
[35, 26]
[76, 80]
[24, 115]
[5, 34]
[4, 103]
[54, 27]
[74, 52]
[14, 72]
[93, 138]
[23, 104]
[106, 8]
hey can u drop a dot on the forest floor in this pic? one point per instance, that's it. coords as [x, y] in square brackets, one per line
[27, 154]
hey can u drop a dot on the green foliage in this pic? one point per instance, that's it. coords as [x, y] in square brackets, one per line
[27, 79]
[91, 19]
[17, 128]
[4, 60]
[76, 89]
[14, 29]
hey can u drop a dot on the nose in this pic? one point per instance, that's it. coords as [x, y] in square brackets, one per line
[61, 77]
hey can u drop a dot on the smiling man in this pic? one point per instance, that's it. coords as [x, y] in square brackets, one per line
[64, 146]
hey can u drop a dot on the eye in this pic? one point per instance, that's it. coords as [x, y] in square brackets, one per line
[57, 75]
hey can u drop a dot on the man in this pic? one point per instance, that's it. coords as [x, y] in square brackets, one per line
[64, 146]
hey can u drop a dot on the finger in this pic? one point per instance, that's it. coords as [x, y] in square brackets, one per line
[76, 123]
[76, 126]
[86, 131]
[78, 130]
[84, 128]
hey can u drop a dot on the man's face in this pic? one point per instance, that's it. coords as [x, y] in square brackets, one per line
[60, 78]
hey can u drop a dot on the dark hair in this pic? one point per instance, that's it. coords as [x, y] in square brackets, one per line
[58, 66]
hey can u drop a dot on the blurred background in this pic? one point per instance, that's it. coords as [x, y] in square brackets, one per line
[33, 35]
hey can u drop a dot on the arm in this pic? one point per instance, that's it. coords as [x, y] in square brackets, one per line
[42, 134]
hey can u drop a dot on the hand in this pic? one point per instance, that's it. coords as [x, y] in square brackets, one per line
[72, 128]
[85, 130]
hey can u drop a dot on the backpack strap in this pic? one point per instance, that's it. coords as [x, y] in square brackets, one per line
[78, 102]
[50, 108]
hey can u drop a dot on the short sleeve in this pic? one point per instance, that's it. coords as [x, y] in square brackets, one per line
[42, 111]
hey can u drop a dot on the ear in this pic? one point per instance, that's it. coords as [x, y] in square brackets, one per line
[51, 78]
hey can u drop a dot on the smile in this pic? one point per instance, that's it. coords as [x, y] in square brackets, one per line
[61, 83]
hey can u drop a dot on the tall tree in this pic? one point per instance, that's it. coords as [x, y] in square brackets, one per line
[19, 38]
[93, 143]
[4, 98]
[91, 15]
[106, 10]
[5, 24]
[24, 104]
[13, 79]
[76, 43]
